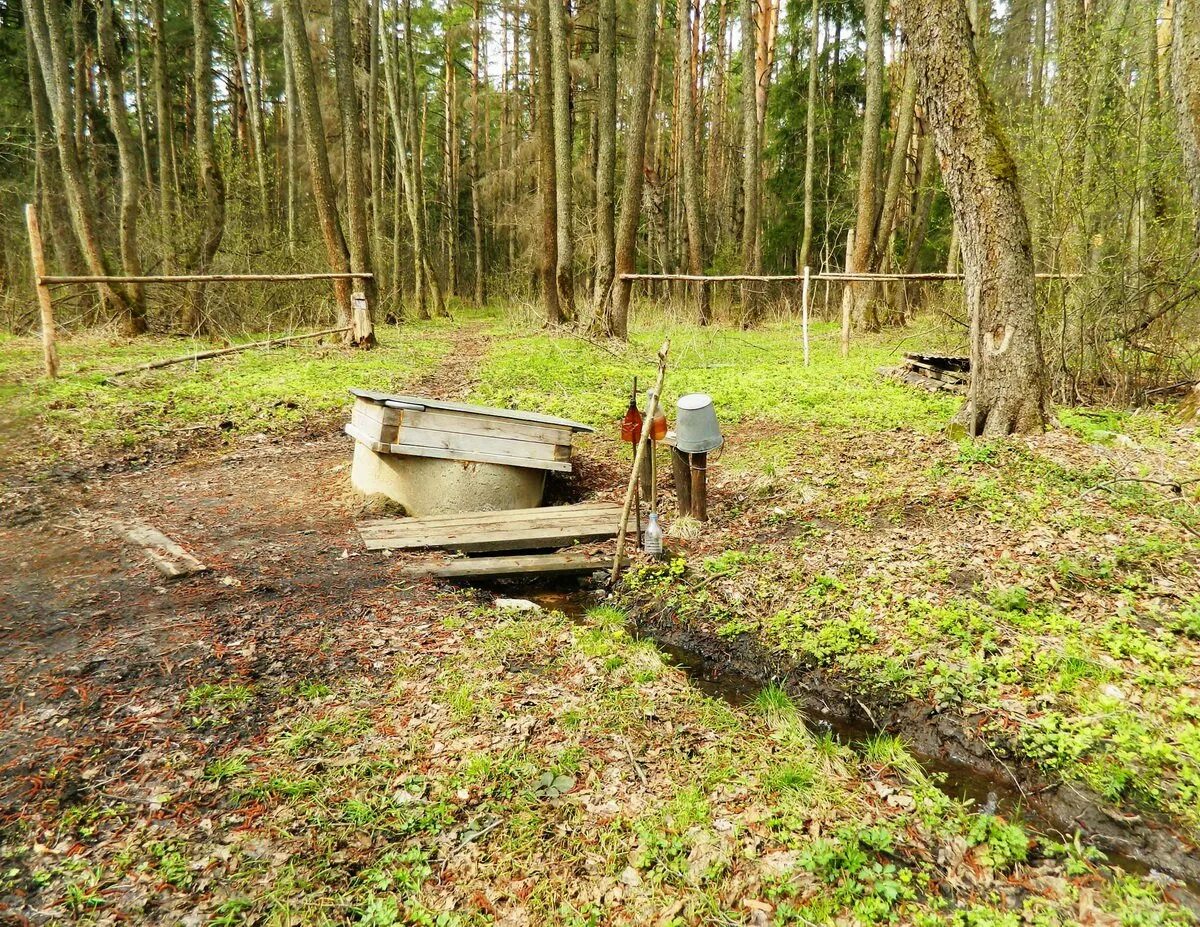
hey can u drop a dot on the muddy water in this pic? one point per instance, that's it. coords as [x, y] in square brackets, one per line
[983, 793]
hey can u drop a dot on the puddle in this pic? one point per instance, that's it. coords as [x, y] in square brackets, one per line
[985, 794]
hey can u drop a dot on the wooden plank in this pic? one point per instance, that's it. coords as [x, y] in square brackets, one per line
[576, 511]
[494, 537]
[417, 450]
[373, 428]
[485, 425]
[559, 564]
[600, 521]
[414, 450]
[168, 557]
[438, 405]
[377, 411]
[480, 444]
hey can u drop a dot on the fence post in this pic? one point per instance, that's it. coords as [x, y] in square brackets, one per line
[38, 256]
[804, 312]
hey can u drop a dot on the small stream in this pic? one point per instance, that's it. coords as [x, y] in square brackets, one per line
[984, 793]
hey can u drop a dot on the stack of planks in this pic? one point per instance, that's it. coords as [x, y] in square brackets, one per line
[545, 528]
[539, 529]
[420, 427]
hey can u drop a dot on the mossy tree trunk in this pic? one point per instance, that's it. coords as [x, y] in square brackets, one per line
[1008, 384]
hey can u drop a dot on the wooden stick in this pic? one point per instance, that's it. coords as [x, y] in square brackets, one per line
[38, 256]
[200, 278]
[219, 352]
[683, 480]
[804, 312]
[699, 465]
[631, 489]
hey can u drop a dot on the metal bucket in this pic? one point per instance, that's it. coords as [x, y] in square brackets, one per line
[696, 428]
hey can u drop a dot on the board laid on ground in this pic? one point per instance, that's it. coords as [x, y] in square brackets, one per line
[549, 528]
[414, 426]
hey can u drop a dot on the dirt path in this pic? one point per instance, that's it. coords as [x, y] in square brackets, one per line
[98, 653]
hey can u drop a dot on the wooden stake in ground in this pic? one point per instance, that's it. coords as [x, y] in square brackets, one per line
[804, 312]
[643, 441]
[38, 255]
[699, 467]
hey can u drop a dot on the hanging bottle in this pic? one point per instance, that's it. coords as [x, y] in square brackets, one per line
[631, 424]
[658, 424]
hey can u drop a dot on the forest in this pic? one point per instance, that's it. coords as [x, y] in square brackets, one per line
[581, 462]
[469, 151]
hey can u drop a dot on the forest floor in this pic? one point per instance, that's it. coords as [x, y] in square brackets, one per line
[303, 736]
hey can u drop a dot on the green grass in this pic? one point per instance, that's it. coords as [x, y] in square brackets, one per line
[272, 392]
[756, 378]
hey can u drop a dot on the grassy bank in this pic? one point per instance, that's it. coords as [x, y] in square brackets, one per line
[523, 768]
[273, 392]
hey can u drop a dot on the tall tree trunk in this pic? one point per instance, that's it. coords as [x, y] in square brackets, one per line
[690, 160]
[47, 172]
[478, 130]
[398, 110]
[165, 126]
[449, 155]
[751, 170]
[897, 169]
[606, 165]
[48, 28]
[292, 119]
[127, 158]
[810, 136]
[547, 165]
[416, 138]
[560, 72]
[1039, 53]
[139, 99]
[375, 146]
[253, 85]
[352, 153]
[1007, 393]
[861, 295]
[635, 165]
[212, 228]
[324, 198]
[1185, 91]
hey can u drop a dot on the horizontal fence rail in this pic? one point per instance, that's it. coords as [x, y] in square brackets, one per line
[199, 278]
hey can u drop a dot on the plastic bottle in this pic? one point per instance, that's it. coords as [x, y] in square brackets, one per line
[652, 537]
[631, 424]
[658, 424]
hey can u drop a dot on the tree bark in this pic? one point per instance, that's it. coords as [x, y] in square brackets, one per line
[1185, 91]
[292, 129]
[810, 137]
[309, 106]
[213, 226]
[606, 166]
[863, 315]
[547, 166]
[164, 139]
[751, 170]
[560, 72]
[48, 29]
[635, 164]
[416, 138]
[478, 128]
[1007, 393]
[352, 153]
[48, 180]
[690, 161]
[110, 66]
